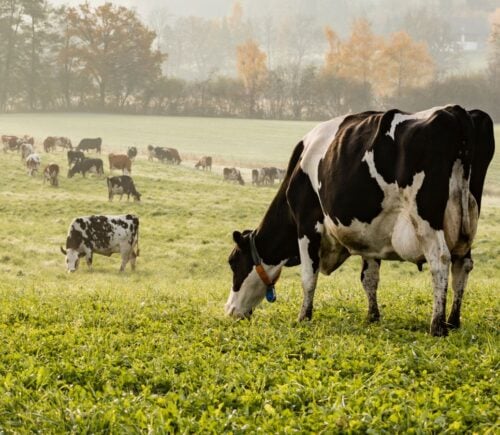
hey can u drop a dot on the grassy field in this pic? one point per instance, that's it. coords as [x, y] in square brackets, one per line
[152, 351]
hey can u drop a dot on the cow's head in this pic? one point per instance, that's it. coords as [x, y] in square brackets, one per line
[72, 258]
[137, 196]
[248, 287]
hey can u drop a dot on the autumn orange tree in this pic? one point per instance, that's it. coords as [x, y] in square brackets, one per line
[404, 63]
[387, 67]
[114, 48]
[252, 70]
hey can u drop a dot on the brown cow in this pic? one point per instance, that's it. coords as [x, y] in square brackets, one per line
[204, 163]
[51, 174]
[120, 161]
[11, 143]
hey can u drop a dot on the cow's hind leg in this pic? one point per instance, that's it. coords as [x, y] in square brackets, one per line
[460, 272]
[438, 257]
[369, 279]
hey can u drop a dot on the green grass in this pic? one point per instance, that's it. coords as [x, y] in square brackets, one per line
[152, 351]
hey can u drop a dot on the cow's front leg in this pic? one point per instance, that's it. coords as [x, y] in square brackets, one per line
[89, 258]
[369, 279]
[309, 245]
[460, 270]
[438, 257]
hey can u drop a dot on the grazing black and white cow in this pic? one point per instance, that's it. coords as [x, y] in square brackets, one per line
[75, 156]
[381, 185]
[103, 235]
[232, 174]
[90, 144]
[122, 185]
[33, 162]
[26, 150]
[87, 165]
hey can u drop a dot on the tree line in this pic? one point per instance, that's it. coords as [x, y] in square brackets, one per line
[106, 58]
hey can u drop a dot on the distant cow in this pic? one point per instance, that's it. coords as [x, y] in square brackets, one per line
[75, 156]
[11, 143]
[49, 144]
[26, 150]
[151, 152]
[233, 174]
[87, 165]
[132, 153]
[204, 163]
[268, 175]
[51, 174]
[32, 164]
[120, 161]
[122, 185]
[27, 139]
[103, 235]
[174, 156]
[90, 144]
[255, 177]
[281, 175]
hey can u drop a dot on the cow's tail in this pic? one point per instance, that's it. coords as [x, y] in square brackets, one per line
[465, 154]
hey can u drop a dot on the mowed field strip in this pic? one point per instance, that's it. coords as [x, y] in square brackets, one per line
[152, 351]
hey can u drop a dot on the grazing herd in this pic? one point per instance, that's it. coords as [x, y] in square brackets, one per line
[380, 185]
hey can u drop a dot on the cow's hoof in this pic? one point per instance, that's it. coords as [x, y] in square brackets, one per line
[453, 322]
[438, 329]
[305, 315]
[373, 317]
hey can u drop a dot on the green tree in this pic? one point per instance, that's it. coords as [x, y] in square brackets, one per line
[115, 49]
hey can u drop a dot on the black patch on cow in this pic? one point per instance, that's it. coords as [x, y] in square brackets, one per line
[240, 260]
[74, 239]
[347, 190]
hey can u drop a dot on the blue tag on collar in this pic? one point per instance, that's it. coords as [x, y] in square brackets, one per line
[271, 294]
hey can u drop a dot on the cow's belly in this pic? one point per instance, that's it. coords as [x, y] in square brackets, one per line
[117, 190]
[390, 236]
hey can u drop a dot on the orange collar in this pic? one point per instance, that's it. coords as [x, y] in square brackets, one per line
[270, 290]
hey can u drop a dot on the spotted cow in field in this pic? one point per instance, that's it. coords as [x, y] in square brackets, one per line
[381, 185]
[51, 174]
[122, 185]
[33, 162]
[120, 161]
[87, 165]
[104, 235]
[204, 163]
[232, 174]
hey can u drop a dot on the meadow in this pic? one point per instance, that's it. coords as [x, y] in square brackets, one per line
[152, 351]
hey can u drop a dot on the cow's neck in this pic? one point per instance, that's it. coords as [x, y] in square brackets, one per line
[276, 236]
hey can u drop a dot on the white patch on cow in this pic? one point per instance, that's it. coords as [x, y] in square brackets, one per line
[72, 260]
[400, 117]
[316, 144]
[251, 293]
[307, 271]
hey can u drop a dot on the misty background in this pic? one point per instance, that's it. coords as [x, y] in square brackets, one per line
[280, 59]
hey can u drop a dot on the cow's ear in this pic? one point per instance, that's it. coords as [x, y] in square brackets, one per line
[238, 238]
